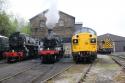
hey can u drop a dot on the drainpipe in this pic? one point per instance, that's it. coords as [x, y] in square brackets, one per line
[114, 47]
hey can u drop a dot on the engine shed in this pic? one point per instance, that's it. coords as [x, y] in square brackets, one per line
[64, 28]
[117, 41]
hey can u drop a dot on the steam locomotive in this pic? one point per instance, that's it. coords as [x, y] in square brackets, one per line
[21, 46]
[4, 45]
[52, 49]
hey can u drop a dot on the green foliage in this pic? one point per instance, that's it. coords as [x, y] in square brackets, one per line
[13, 25]
[5, 25]
[26, 29]
[10, 24]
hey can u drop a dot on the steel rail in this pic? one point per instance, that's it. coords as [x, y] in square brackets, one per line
[53, 76]
[118, 62]
[84, 74]
[11, 76]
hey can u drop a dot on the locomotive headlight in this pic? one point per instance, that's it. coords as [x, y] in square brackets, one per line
[57, 48]
[75, 40]
[41, 49]
[93, 40]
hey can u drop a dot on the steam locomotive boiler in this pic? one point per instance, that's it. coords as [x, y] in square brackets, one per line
[52, 50]
[21, 46]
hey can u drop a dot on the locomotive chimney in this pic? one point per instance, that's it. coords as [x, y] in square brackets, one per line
[50, 31]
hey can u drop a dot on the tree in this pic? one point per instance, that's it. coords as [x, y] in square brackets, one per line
[14, 24]
[10, 24]
[5, 25]
[26, 29]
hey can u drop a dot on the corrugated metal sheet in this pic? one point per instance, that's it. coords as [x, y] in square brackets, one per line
[112, 36]
[118, 41]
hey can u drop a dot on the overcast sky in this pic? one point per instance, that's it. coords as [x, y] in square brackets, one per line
[104, 16]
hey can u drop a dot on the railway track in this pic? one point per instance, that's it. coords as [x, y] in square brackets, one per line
[14, 69]
[3, 63]
[35, 72]
[28, 76]
[75, 73]
[54, 76]
[119, 60]
[31, 72]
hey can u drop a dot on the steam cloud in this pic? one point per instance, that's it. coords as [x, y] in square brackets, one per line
[52, 14]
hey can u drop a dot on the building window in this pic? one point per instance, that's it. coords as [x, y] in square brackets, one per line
[61, 23]
[42, 24]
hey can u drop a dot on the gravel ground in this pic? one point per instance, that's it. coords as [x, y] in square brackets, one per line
[119, 53]
[33, 69]
[72, 75]
[3, 63]
[105, 70]
[12, 69]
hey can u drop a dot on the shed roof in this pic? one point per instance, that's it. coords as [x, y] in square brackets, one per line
[112, 36]
[47, 10]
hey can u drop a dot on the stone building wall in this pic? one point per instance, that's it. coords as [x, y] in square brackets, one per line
[64, 27]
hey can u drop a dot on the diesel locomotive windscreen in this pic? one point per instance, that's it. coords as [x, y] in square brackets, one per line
[86, 29]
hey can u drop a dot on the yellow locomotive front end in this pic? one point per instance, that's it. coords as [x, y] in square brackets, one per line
[105, 46]
[84, 45]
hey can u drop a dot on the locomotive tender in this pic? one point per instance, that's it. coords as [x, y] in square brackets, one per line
[21, 46]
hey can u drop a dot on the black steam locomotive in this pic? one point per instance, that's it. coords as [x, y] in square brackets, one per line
[4, 45]
[21, 46]
[52, 49]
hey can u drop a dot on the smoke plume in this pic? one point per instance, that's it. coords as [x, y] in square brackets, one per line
[52, 14]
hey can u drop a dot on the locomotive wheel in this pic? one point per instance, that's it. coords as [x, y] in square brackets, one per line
[21, 58]
[57, 58]
[76, 59]
[95, 56]
[90, 59]
[8, 60]
[53, 59]
[43, 59]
